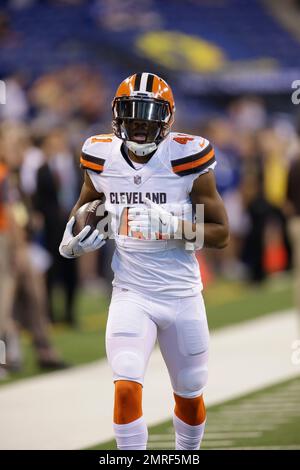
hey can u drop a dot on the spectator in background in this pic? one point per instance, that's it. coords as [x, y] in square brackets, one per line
[122, 16]
[57, 187]
[293, 213]
[273, 149]
[63, 99]
[4, 26]
[7, 328]
[228, 177]
[30, 306]
[258, 211]
[33, 159]
[22, 285]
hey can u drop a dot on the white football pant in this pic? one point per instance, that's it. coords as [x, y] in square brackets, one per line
[134, 323]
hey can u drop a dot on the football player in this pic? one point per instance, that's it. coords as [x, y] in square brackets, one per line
[148, 174]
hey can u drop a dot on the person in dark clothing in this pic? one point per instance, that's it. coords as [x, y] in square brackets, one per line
[57, 186]
[258, 211]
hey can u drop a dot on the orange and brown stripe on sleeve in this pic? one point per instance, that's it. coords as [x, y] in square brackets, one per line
[89, 162]
[194, 163]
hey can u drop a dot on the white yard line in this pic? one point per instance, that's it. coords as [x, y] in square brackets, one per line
[244, 427]
[219, 443]
[73, 409]
[209, 436]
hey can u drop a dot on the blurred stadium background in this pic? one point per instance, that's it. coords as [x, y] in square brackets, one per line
[231, 64]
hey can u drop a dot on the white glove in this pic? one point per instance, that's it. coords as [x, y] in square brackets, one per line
[151, 222]
[72, 247]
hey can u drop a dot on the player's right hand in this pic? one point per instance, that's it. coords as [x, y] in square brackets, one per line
[72, 247]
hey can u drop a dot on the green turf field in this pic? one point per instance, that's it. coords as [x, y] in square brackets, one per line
[226, 302]
[267, 419]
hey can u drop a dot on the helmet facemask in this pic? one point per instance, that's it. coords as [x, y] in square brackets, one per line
[141, 122]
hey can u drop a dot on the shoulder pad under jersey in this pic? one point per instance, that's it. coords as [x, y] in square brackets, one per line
[190, 154]
[95, 151]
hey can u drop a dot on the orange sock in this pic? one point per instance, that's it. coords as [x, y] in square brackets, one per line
[190, 410]
[128, 401]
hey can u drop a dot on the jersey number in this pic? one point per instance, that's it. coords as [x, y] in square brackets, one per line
[183, 140]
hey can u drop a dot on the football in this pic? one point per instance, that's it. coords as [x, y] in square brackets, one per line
[91, 214]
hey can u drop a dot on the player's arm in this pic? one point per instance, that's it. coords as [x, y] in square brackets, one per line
[216, 227]
[73, 246]
[212, 231]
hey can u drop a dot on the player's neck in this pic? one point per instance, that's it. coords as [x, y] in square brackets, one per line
[136, 159]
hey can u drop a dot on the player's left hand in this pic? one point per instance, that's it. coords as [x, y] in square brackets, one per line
[151, 222]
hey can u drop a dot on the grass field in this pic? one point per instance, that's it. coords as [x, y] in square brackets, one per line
[267, 419]
[226, 302]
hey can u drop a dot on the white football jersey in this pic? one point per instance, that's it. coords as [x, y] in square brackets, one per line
[149, 266]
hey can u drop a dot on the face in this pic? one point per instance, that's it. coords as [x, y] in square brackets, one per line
[141, 132]
[54, 144]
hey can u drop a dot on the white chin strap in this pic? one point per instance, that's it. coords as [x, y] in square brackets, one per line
[141, 150]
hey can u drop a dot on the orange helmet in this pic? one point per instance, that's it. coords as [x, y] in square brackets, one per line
[148, 99]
